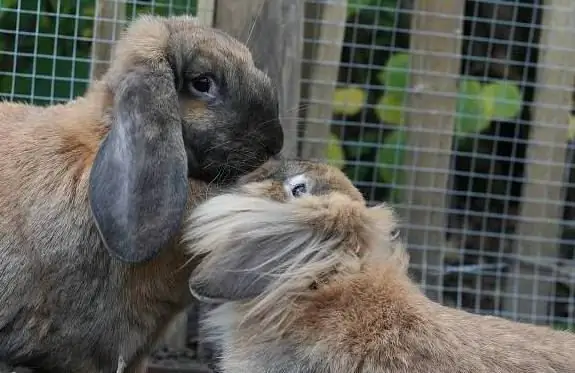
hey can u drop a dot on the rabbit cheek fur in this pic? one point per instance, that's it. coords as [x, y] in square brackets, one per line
[366, 316]
[87, 186]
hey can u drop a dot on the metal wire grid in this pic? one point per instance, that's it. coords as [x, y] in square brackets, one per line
[45, 48]
[499, 44]
[45, 58]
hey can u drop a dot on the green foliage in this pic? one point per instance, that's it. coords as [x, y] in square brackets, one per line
[354, 5]
[335, 154]
[476, 106]
[390, 158]
[53, 48]
[390, 109]
[564, 327]
[469, 118]
[395, 75]
[348, 101]
[502, 100]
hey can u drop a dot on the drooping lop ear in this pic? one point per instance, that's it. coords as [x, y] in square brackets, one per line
[138, 182]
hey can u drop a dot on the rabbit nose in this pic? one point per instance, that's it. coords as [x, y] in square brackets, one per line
[274, 139]
[274, 146]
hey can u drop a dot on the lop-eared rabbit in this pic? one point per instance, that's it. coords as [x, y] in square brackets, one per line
[310, 279]
[93, 193]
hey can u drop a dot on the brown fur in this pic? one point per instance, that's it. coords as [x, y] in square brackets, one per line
[67, 304]
[367, 316]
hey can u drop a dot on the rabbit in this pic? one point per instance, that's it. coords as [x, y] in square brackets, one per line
[93, 193]
[304, 277]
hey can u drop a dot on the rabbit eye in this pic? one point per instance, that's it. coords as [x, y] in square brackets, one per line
[299, 190]
[202, 84]
[297, 186]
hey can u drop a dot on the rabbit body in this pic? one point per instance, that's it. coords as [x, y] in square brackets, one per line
[348, 313]
[93, 192]
[378, 321]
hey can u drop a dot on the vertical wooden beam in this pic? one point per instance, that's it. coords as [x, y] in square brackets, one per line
[273, 31]
[528, 291]
[108, 24]
[325, 28]
[436, 30]
[205, 12]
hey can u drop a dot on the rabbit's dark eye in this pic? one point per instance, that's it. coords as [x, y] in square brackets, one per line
[202, 84]
[299, 190]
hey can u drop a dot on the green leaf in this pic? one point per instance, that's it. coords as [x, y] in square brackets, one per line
[395, 74]
[390, 156]
[502, 100]
[389, 109]
[359, 172]
[367, 141]
[564, 327]
[348, 101]
[7, 4]
[470, 117]
[354, 6]
[334, 152]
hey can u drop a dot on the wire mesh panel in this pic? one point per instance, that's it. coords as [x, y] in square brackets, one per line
[499, 75]
[46, 46]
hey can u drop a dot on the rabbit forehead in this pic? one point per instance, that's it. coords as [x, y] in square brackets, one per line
[181, 39]
[210, 45]
[184, 39]
[322, 178]
[271, 178]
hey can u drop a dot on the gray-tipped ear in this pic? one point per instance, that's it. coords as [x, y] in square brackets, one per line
[250, 244]
[138, 183]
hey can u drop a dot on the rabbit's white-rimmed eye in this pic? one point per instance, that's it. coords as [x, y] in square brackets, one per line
[297, 186]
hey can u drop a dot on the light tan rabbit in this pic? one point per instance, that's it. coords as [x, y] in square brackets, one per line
[311, 280]
[93, 193]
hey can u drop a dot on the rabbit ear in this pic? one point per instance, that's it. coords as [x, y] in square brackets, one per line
[251, 245]
[138, 183]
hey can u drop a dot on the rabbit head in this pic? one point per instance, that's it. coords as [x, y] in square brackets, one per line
[285, 228]
[184, 101]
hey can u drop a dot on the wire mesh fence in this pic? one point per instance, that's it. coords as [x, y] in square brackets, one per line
[47, 52]
[458, 113]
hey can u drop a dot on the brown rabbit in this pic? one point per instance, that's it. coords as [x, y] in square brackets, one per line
[332, 292]
[93, 193]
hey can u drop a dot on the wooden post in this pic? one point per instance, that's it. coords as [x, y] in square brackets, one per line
[527, 292]
[436, 31]
[273, 31]
[108, 24]
[326, 28]
[205, 12]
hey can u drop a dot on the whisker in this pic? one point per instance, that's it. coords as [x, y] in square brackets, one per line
[252, 27]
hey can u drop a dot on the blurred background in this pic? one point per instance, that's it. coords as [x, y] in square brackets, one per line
[458, 113]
